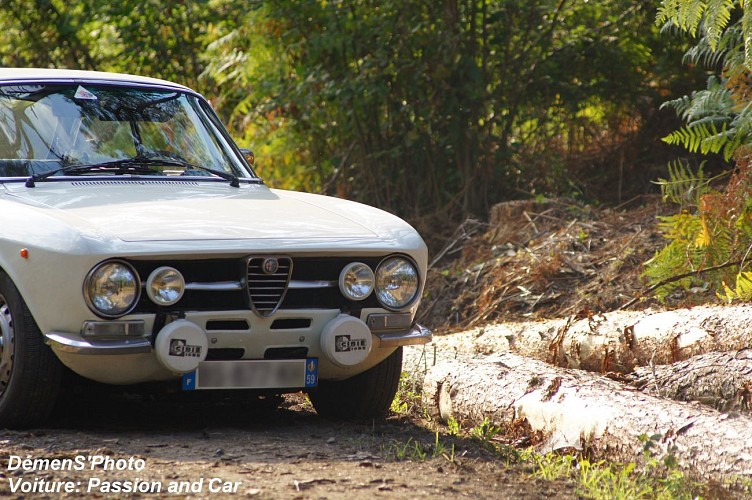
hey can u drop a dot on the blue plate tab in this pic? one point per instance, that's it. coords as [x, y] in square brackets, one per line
[189, 381]
[312, 372]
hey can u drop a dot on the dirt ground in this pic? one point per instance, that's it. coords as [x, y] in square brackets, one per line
[221, 449]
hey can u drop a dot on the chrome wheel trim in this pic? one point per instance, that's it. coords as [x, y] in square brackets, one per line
[7, 344]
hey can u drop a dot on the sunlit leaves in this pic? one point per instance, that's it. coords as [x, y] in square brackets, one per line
[413, 107]
[416, 107]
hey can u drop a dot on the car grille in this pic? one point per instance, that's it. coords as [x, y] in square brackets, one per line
[268, 278]
[249, 291]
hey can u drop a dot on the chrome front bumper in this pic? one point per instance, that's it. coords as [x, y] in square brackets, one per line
[418, 334]
[77, 344]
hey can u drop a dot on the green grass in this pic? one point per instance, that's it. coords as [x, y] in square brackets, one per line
[652, 477]
[415, 450]
[615, 481]
[408, 400]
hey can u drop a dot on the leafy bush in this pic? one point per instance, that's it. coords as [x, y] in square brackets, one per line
[711, 236]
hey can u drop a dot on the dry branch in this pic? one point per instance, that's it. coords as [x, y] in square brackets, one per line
[584, 410]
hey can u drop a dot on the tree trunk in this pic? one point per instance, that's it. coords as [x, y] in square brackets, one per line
[579, 409]
[612, 342]
[722, 380]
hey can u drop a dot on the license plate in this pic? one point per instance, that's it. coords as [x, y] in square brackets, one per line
[253, 374]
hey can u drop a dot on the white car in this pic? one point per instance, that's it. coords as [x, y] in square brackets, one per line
[138, 245]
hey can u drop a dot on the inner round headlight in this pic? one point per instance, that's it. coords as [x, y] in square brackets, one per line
[397, 282]
[165, 286]
[356, 281]
[112, 289]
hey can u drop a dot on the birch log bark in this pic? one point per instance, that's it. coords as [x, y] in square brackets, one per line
[617, 342]
[574, 408]
[721, 380]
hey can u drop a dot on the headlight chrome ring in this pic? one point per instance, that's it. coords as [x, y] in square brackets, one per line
[165, 286]
[356, 281]
[397, 283]
[112, 289]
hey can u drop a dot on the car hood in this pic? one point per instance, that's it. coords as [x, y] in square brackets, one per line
[185, 210]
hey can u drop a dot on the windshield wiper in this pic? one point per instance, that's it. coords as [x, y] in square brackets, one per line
[129, 166]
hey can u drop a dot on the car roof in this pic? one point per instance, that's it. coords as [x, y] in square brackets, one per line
[29, 75]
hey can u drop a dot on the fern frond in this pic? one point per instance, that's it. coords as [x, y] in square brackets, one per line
[683, 184]
[667, 12]
[747, 35]
[720, 242]
[690, 14]
[742, 291]
[667, 263]
[734, 142]
[682, 228]
[717, 139]
[717, 17]
[718, 236]
[702, 54]
[690, 137]
[715, 102]
[705, 237]
[706, 137]
[680, 104]
[732, 44]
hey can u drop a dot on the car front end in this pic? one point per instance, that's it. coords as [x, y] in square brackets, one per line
[146, 249]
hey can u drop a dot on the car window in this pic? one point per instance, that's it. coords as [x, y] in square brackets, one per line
[46, 127]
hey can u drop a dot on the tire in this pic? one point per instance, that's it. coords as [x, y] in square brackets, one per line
[30, 372]
[366, 395]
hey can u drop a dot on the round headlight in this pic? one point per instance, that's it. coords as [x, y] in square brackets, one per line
[397, 282]
[165, 286]
[112, 289]
[356, 281]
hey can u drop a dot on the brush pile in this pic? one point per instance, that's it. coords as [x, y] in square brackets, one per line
[545, 259]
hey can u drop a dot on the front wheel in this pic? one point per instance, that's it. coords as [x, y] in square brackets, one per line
[29, 371]
[366, 395]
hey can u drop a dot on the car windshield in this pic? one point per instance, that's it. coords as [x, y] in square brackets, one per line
[67, 129]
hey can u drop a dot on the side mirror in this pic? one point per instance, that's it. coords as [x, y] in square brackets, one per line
[248, 155]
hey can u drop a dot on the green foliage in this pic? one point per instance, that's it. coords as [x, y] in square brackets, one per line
[153, 37]
[403, 105]
[45, 33]
[710, 243]
[656, 477]
[415, 450]
[485, 431]
[710, 239]
[718, 118]
[411, 107]
[453, 427]
[706, 139]
[714, 124]
[407, 400]
[684, 186]
[697, 243]
[710, 17]
[552, 466]
[742, 290]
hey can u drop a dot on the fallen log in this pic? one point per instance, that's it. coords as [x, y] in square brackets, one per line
[578, 409]
[721, 380]
[617, 341]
